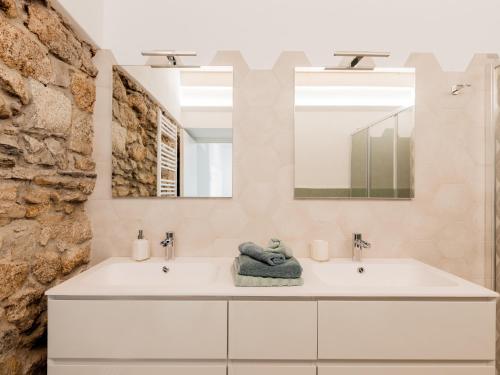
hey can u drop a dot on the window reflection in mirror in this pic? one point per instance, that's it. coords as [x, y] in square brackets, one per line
[172, 132]
[354, 133]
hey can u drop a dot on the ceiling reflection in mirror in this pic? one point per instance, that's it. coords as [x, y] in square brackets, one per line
[172, 132]
[354, 133]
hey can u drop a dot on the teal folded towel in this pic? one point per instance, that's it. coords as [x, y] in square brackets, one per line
[277, 246]
[247, 266]
[255, 281]
[256, 252]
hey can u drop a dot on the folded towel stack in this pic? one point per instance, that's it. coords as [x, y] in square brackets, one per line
[256, 252]
[271, 266]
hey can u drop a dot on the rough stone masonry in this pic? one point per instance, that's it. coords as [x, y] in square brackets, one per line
[47, 94]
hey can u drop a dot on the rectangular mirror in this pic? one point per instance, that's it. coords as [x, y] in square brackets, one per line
[172, 132]
[354, 133]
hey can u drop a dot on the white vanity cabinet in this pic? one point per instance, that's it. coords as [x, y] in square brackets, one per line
[271, 337]
[404, 318]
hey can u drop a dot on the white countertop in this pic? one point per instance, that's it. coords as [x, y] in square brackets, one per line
[212, 278]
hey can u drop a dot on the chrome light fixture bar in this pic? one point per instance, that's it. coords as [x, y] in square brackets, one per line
[357, 56]
[171, 56]
[348, 68]
[157, 66]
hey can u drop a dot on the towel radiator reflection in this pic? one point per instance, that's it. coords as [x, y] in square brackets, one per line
[166, 157]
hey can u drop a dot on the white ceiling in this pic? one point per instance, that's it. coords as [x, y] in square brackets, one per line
[452, 29]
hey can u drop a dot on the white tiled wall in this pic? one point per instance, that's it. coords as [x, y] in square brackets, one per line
[444, 225]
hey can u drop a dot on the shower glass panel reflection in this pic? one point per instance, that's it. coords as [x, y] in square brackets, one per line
[381, 161]
[353, 133]
[359, 164]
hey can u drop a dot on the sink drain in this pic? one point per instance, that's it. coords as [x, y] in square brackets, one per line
[165, 269]
[361, 269]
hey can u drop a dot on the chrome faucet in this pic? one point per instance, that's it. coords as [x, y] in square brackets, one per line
[168, 244]
[357, 246]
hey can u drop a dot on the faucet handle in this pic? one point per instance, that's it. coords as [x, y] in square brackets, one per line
[169, 239]
[357, 236]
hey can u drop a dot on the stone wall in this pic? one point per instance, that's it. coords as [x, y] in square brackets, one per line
[134, 138]
[47, 95]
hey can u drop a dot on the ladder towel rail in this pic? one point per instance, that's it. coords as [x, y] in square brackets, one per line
[166, 156]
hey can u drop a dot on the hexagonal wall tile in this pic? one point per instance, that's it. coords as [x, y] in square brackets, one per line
[257, 198]
[256, 127]
[284, 108]
[290, 222]
[228, 220]
[260, 164]
[193, 208]
[456, 240]
[234, 59]
[284, 67]
[260, 88]
[194, 237]
[453, 199]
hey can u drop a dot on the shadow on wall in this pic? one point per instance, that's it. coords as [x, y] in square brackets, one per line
[47, 94]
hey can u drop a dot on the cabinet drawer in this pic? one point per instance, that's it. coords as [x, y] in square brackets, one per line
[135, 369]
[137, 329]
[377, 369]
[272, 330]
[406, 330]
[272, 369]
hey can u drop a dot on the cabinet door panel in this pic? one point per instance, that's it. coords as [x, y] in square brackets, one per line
[406, 330]
[137, 329]
[280, 330]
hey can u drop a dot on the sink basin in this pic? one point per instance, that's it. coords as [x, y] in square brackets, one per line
[212, 277]
[150, 274]
[375, 273]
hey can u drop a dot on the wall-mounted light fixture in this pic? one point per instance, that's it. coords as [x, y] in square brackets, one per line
[171, 56]
[457, 89]
[356, 57]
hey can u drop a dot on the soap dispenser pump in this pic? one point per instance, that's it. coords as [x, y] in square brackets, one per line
[140, 249]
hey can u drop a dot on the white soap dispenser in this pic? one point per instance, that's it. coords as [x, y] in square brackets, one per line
[140, 248]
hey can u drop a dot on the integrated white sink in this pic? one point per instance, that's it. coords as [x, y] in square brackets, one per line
[211, 277]
[381, 273]
[155, 273]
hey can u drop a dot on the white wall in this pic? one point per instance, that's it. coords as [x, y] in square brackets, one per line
[219, 163]
[207, 168]
[206, 119]
[88, 14]
[189, 159]
[262, 29]
[163, 84]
